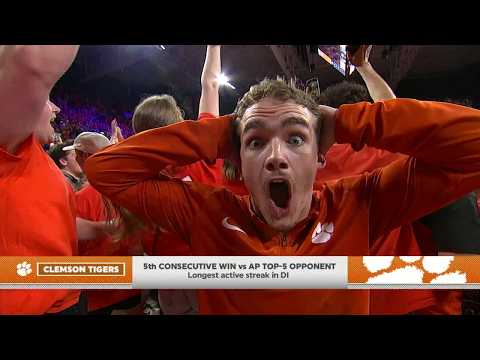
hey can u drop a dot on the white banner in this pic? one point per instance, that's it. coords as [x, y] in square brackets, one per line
[239, 272]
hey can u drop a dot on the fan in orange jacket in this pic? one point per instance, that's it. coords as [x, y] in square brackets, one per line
[277, 129]
[90, 206]
[37, 207]
[155, 112]
[158, 111]
[342, 161]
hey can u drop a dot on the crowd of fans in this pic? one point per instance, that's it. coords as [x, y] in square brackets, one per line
[372, 166]
[80, 114]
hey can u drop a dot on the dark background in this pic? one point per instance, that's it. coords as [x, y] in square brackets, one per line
[121, 75]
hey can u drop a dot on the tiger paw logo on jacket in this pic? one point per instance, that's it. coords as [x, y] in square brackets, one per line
[322, 233]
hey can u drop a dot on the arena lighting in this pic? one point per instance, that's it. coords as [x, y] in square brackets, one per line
[161, 47]
[224, 80]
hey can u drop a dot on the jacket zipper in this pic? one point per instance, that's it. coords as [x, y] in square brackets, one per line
[284, 240]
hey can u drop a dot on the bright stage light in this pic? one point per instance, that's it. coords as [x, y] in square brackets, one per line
[224, 80]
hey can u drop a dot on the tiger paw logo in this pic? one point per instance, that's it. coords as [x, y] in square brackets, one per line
[322, 233]
[412, 270]
[24, 269]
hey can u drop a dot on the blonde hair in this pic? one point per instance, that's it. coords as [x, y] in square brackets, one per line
[153, 112]
[156, 111]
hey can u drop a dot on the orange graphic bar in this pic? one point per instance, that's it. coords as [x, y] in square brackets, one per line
[367, 272]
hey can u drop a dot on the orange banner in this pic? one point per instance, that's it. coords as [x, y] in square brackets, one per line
[65, 270]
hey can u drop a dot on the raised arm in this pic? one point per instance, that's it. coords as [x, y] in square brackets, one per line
[377, 87]
[27, 74]
[443, 142]
[209, 100]
[127, 173]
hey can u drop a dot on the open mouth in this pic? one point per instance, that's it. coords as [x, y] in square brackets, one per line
[280, 192]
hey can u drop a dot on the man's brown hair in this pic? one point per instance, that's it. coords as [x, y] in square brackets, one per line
[278, 89]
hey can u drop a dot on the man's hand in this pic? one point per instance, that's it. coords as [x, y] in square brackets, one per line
[90, 230]
[119, 134]
[377, 87]
[113, 132]
[116, 133]
[361, 56]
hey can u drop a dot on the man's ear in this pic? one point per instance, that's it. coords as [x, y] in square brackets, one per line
[322, 161]
[63, 162]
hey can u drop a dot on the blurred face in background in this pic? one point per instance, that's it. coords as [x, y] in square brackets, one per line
[71, 164]
[81, 157]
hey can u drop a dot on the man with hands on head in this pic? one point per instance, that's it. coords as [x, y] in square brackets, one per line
[280, 138]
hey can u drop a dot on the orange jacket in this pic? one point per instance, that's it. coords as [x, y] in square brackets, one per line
[37, 218]
[442, 140]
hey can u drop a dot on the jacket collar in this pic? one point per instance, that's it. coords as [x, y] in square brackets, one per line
[318, 210]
